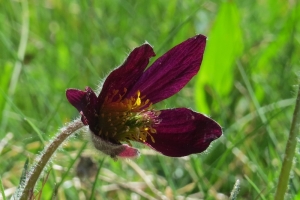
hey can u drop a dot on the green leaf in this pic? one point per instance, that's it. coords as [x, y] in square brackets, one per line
[224, 45]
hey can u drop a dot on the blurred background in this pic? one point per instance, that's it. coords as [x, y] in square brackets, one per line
[247, 83]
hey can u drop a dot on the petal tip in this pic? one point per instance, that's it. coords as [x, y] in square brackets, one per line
[114, 150]
[75, 96]
[129, 152]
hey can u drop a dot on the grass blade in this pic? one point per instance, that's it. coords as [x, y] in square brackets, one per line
[96, 179]
[2, 189]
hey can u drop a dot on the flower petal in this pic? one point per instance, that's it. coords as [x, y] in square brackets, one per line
[114, 150]
[182, 132]
[128, 152]
[77, 98]
[127, 74]
[86, 103]
[172, 71]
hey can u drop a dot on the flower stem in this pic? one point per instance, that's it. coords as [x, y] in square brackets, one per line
[289, 152]
[45, 156]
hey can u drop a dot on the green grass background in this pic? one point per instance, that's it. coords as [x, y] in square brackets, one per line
[246, 83]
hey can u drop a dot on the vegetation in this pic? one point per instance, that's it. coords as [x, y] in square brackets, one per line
[247, 83]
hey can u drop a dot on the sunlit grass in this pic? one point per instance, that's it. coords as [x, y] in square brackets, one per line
[76, 43]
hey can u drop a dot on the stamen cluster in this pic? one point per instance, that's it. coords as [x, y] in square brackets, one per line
[125, 119]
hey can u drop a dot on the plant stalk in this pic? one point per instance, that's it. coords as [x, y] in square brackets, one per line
[45, 156]
[289, 152]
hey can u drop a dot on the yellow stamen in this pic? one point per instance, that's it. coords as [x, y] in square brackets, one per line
[124, 119]
[138, 99]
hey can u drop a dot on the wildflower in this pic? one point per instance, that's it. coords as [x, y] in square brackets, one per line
[123, 112]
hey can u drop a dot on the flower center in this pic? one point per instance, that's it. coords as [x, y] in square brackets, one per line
[125, 119]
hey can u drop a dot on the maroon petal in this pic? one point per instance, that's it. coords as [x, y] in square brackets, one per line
[128, 152]
[171, 72]
[182, 132]
[127, 74]
[86, 103]
[114, 150]
[77, 98]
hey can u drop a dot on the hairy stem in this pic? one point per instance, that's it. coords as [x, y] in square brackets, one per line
[42, 161]
[289, 152]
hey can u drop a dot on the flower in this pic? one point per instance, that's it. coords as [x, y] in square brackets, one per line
[123, 112]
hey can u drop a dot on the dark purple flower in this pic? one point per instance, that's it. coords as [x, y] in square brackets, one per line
[123, 110]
